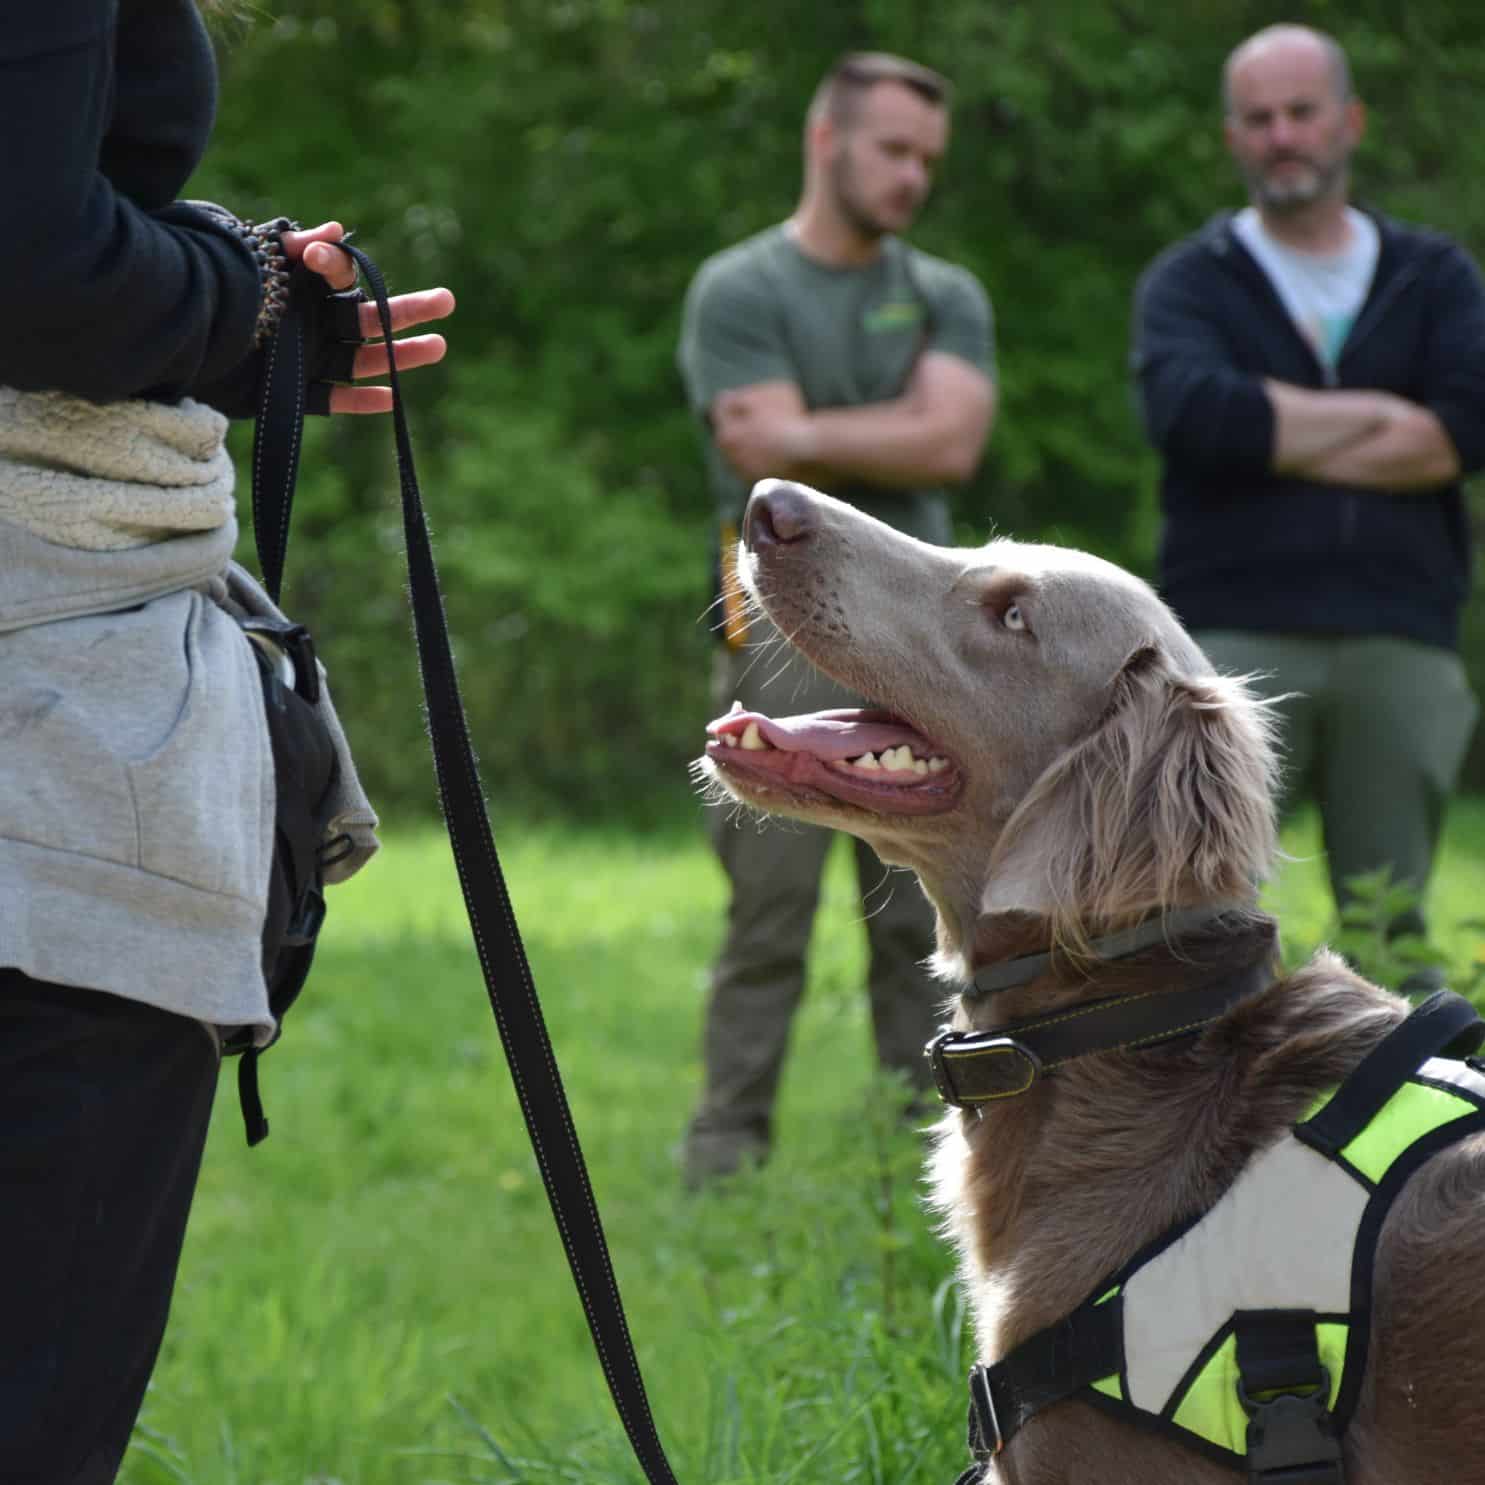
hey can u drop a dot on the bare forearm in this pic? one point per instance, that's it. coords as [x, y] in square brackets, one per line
[931, 434]
[1312, 425]
[1411, 453]
[892, 443]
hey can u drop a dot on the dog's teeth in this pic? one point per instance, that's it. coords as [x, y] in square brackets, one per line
[752, 740]
[730, 738]
[900, 759]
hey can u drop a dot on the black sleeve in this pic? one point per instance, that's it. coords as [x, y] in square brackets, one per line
[1454, 373]
[1197, 407]
[98, 297]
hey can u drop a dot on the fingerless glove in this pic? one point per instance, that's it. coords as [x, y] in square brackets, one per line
[331, 320]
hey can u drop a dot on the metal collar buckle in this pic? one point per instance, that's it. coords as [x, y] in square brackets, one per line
[986, 1439]
[976, 1067]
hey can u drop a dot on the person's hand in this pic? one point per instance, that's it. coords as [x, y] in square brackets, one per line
[1394, 411]
[760, 440]
[418, 308]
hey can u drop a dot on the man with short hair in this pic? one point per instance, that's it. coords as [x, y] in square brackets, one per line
[826, 349]
[1313, 376]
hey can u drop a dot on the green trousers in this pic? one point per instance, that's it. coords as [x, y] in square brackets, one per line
[1374, 729]
[774, 867]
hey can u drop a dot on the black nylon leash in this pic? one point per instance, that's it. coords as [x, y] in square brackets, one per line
[497, 938]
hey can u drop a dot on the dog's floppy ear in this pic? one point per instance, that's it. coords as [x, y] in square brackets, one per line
[1168, 802]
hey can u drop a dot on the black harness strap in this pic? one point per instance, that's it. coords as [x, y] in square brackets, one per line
[1444, 1022]
[508, 980]
[1285, 1390]
[1276, 1351]
[1055, 1363]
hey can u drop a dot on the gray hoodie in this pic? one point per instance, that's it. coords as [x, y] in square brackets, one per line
[136, 777]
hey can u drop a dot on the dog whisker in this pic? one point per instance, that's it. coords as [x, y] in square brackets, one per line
[884, 887]
[760, 653]
[715, 604]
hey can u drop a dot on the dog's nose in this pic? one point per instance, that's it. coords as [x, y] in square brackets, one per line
[778, 512]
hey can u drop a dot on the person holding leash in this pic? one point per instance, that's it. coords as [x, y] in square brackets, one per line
[829, 350]
[1313, 376]
[137, 786]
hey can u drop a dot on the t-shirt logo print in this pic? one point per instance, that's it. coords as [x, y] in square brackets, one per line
[900, 314]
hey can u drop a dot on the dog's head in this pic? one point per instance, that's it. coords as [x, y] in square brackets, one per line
[1050, 742]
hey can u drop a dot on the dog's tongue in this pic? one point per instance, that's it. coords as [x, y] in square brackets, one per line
[827, 735]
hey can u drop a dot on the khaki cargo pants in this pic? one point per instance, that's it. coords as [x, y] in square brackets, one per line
[1375, 733]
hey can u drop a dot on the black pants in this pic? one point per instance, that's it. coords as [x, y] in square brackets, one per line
[104, 1106]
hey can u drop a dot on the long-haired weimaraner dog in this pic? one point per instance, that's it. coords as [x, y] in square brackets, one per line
[1198, 1243]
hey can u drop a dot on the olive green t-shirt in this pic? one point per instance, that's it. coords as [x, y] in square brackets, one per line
[763, 311]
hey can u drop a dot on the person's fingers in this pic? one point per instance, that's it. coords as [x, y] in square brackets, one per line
[416, 350]
[360, 400]
[338, 269]
[407, 310]
[312, 248]
[296, 241]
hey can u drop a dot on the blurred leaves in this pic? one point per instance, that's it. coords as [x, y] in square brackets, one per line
[1375, 937]
[564, 167]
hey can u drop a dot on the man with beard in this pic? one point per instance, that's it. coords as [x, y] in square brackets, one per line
[1313, 376]
[828, 350]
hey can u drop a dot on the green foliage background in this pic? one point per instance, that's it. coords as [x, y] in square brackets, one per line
[564, 165]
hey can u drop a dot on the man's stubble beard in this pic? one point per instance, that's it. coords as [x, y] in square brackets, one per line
[848, 200]
[1325, 180]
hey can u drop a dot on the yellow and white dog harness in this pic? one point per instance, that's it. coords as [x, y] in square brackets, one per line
[1243, 1333]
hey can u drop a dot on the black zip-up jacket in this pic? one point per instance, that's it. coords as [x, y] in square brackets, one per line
[109, 288]
[1246, 548]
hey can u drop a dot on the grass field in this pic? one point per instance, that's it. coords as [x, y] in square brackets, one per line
[377, 1295]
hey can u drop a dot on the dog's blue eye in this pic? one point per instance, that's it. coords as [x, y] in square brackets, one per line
[1012, 618]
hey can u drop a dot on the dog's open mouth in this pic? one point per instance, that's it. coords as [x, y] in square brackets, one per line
[869, 759]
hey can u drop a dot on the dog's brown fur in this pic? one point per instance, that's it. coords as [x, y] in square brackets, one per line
[1103, 773]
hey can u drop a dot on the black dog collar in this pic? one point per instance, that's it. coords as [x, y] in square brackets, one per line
[1162, 928]
[973, 1068]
